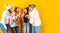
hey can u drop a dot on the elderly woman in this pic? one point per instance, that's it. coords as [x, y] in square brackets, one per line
[34, 19]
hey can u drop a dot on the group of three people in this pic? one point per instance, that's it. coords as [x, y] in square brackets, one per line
[30, 16]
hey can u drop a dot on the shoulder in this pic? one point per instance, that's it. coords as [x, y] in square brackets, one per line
[35, 11]
[4, 13]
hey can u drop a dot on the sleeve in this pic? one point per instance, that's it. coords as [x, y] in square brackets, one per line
[31, 18]
[3, 17]
[3, 20]
[36, 15]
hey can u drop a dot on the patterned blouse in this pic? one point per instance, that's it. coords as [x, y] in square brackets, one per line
[14, 19]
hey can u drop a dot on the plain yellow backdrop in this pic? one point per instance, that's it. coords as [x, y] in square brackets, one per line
[47, 11]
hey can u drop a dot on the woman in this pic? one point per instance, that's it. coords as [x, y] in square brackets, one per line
[34, 18]
[26, 20]
[6, 16]
[14, 20]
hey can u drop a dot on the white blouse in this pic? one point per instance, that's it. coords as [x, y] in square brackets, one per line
[34, 18]
[5, 17]
[13, 20]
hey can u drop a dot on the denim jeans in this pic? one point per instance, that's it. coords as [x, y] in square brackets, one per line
[3, 29]
[35, 29]
[7, 25]
[26, 28]
[15, 29]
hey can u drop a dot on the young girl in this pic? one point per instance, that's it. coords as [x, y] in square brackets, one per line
[26, 20]
[14, 20]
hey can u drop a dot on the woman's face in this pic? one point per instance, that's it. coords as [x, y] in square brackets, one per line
[30, 9]
[25, 10]
[10, 10]
[17, 9]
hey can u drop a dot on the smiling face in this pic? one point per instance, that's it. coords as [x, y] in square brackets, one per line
[17, 9]
[10, 10]
[25, 10]
[30, 8]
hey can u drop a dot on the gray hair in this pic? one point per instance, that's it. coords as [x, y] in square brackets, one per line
[32, 6]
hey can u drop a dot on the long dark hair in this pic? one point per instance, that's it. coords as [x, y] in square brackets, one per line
[10, 11]
[27, 10]
[15, 9]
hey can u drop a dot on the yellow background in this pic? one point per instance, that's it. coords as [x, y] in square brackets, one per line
[47, 11]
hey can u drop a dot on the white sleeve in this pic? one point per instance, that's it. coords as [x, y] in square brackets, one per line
[3, 17]
[36, 15]
[31, 20]
[3, 20]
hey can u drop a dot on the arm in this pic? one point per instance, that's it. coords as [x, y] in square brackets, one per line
[36, 15]
[3, 20]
